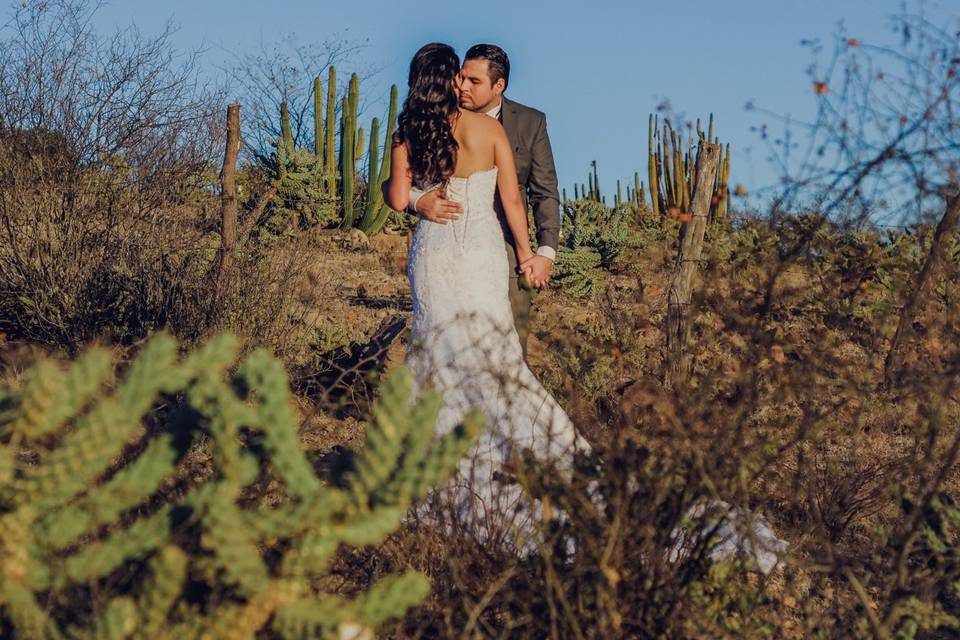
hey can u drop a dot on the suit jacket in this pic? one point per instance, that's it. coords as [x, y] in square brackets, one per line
[527, 131]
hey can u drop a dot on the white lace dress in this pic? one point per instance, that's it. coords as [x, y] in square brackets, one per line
[464, 345]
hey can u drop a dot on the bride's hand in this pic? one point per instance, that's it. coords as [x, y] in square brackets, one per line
[524, 264]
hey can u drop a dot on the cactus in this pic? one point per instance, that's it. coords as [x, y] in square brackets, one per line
[285, 143]
[376, 211]
[653, 174]
[318, 120]
[574, 270]
[671, 170]
[358, 148]
[348, 141]
[596, 182]
[330, 131]
[70, 519]
[722, 191]
[348, 138]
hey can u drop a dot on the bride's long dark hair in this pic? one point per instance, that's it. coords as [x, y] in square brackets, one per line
[424, 122]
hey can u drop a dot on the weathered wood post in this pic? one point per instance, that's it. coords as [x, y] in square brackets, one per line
[685, 270]
[918, 294]
[228, 192]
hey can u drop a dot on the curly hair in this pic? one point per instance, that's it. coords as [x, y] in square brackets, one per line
[424, 122]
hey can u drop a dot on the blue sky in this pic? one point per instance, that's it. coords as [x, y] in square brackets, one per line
[596, 68]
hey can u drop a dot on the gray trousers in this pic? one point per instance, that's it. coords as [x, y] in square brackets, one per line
[521, 300]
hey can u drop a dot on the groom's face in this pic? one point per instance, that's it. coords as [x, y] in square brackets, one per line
[477, 92]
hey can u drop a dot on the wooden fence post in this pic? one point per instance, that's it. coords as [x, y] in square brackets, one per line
[917, 295]
[685, 270]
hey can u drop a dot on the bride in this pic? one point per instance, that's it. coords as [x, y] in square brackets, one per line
[463, 341]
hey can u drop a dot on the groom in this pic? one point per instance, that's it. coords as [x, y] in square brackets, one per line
[484, 76]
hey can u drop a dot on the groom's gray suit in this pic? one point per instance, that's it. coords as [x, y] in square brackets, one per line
[527, 131]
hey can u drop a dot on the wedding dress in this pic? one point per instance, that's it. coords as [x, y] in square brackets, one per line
[465, 346]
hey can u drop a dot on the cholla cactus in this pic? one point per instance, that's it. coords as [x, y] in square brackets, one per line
[74, 517]
[576, 270]
[587, 223]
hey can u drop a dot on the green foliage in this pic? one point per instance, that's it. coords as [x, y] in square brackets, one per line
[70, 520]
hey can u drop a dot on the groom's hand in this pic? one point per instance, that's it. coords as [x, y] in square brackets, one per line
[436, 207]
[538, 270]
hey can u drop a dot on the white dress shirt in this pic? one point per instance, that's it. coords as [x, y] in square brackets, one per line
[415, 194]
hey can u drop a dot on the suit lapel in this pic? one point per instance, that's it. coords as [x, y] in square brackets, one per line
[508, 118]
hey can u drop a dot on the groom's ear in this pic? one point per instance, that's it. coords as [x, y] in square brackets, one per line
[499, 86]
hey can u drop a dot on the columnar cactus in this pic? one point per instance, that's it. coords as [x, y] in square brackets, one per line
[348, 141]
[330, 134]
[285, 143]
[318, 120]
[652, 167]
[596, 182]
[671, 170]
[376, 211]
[71, 518]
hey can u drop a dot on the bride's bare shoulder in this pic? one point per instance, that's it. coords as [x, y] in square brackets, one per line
[481, 123]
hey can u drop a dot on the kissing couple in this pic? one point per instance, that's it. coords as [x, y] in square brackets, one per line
[468, 161]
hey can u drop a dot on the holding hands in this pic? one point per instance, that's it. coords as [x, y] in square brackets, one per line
[537, 270]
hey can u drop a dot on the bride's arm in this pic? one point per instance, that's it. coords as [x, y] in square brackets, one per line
[396, 190]
[510, 195]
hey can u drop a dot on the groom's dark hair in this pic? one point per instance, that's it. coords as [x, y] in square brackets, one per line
[497, 61]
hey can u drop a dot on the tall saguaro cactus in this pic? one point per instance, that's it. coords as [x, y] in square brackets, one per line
[348, 141]
[330, 131]
[318, 120]
[376, 211]
[70, 519]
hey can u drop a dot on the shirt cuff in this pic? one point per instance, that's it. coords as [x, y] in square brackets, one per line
[415, 195]
[547, 252]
